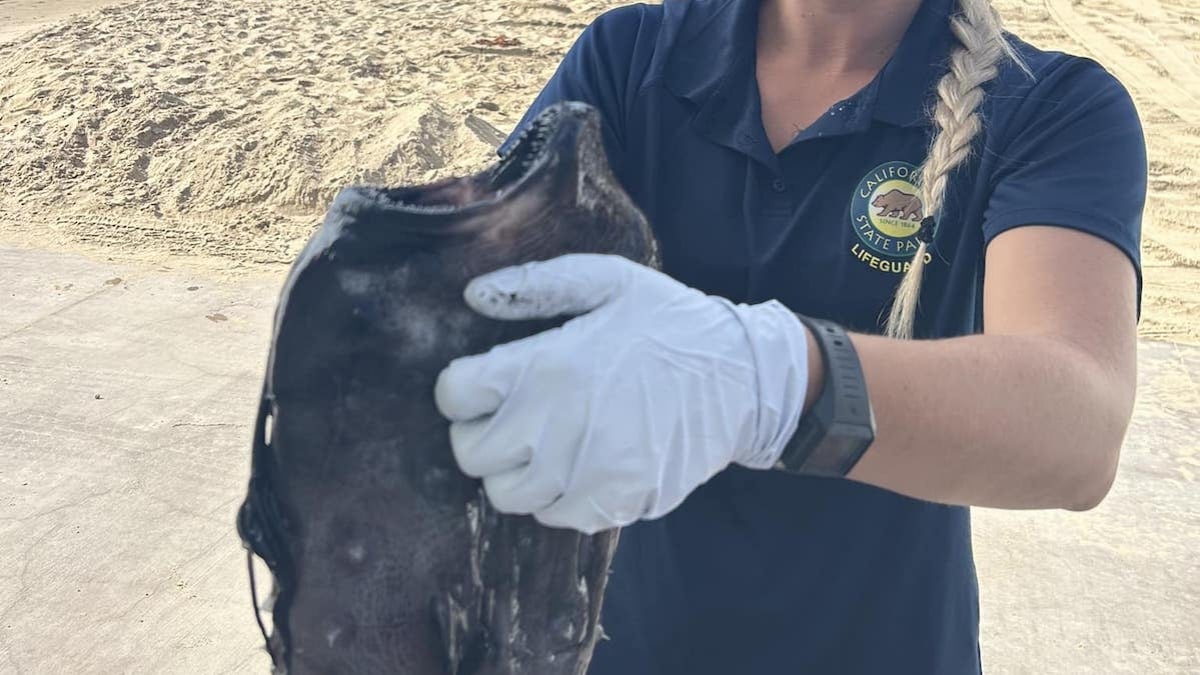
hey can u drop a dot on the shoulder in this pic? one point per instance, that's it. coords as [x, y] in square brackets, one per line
[629, 17]
[1064, 75]
[622, 30]
[1061, 86]
[606, 67]
[1065, 147]
[657, 21]
[636, 40]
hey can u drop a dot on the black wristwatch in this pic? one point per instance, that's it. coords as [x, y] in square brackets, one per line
[839, 426]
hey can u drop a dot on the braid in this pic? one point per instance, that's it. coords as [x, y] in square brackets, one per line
[973, 64]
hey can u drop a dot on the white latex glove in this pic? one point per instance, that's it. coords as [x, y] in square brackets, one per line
[625, 409]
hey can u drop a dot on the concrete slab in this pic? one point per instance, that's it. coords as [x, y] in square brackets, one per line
[126, 401]
[117, 547]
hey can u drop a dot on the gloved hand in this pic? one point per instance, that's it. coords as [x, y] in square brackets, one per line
[625, 409]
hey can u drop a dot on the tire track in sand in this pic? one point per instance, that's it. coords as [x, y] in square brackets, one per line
[1170, 91]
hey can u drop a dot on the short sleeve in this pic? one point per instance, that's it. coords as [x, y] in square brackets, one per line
[1075, 157]
[599, 70]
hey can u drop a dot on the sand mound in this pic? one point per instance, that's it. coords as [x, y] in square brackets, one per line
[136, 144]
[231, 128]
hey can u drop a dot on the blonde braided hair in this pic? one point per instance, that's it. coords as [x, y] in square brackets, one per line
[974, 63]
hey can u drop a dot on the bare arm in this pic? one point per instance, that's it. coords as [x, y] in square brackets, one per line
[1031, 414]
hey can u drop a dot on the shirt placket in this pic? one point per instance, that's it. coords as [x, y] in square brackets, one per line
[770, 206]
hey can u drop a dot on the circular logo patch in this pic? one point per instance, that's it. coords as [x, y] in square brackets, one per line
[886, 211]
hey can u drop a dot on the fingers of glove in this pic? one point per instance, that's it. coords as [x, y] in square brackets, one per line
[523, 490]
[573, 515]
[481, 451]
[461, 396]
[568, 285]
[525, 430]
[474, 386]
[589, 515]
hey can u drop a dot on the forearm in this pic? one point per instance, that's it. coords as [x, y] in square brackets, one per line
[991, 420]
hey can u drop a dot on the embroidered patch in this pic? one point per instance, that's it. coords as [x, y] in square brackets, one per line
[886, 214]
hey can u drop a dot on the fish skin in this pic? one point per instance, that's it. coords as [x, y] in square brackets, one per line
[384, 557]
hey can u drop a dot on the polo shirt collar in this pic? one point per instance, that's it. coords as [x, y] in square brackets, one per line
[715, 53]
[907, 82]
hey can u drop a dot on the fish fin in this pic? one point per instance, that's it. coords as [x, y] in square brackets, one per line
[262, 528]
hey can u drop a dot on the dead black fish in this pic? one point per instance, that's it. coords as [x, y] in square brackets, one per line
[384, 557]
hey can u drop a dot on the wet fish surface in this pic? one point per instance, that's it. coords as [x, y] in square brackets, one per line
[383, 556]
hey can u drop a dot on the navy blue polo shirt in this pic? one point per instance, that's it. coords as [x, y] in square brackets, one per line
[764, 573]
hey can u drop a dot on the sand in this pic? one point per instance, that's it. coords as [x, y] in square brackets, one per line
[150, 130]
[23, 16]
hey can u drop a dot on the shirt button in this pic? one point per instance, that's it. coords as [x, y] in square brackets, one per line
[778, 185]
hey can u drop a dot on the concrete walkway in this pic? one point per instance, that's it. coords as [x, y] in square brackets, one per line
[126, 403]
[126, 397]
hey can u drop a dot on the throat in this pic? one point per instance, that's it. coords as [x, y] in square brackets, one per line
[811, 54]
[834, 35]
[790, 105]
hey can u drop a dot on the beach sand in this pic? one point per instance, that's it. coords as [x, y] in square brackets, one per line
[23, 16]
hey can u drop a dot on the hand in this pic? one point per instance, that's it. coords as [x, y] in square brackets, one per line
[622, 411]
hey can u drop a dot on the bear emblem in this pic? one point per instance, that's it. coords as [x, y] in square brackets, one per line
[899, 204]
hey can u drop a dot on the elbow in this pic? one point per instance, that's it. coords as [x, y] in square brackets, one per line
[1091, 489]
[1110, 401]
[1097, 470]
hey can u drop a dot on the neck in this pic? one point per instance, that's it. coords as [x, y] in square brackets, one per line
[835, 36]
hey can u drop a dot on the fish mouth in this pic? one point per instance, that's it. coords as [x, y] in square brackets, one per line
[556, 165]
[532, 147]
[563, 133]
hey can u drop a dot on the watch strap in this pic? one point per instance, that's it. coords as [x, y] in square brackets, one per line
[839, 426]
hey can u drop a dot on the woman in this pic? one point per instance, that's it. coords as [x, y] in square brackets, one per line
[898, 169]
